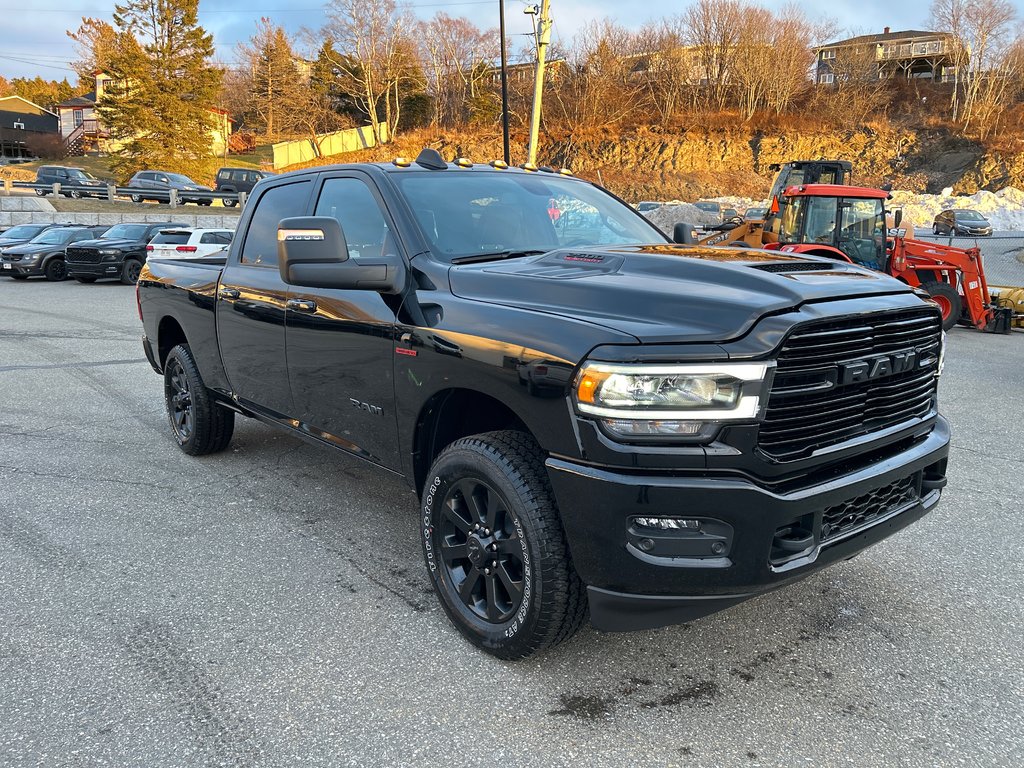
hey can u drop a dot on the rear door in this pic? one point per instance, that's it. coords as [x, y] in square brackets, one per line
[251, 301]
[341, 342]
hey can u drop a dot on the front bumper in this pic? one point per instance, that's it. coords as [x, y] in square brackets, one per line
[8, 268]
[633, 589]
[99, 270]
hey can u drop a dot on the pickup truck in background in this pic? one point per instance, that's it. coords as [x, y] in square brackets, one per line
[595, 419]
[118, 253]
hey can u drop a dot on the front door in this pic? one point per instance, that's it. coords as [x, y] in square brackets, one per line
[341, 342]
[251, 304]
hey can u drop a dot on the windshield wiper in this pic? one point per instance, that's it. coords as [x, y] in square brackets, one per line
[496, 256]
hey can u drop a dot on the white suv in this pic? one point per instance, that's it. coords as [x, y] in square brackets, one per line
[188, 243]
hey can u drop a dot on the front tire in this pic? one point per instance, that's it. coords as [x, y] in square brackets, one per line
[136, 198]
[495, 549]
[198, 424]
[948, 299]
[56, 270]
[130, 271]
[76, 194]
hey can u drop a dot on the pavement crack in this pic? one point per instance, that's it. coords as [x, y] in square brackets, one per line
[986, 454]
[89, 479]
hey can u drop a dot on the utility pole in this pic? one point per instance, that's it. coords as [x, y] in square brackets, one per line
[504, 84]
[543, 37]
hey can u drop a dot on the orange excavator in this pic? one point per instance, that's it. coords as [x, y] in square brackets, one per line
[851, 224]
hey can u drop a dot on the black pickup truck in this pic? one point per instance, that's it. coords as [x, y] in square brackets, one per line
[117, 254]
[593, 417]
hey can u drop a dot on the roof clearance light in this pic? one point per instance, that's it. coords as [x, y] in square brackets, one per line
[528, 167]
[463, 162]
[565, 172]
[501, 165]
[402, 162]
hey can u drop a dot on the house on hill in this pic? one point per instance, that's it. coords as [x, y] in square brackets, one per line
[911, 53]
[83, 131]
[24, 127]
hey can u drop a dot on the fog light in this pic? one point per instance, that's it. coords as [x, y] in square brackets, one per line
[667, 523]
[652, 427]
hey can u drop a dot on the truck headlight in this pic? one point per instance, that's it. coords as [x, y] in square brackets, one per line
[634, 400]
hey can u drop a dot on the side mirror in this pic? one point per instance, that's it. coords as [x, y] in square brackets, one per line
[682, 233]
[312, 252]
[897, 217]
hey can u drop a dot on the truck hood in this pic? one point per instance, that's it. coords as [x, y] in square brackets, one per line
[667, 293]
[119, 243]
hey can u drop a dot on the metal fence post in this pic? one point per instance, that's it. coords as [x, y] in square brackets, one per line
[174, 198]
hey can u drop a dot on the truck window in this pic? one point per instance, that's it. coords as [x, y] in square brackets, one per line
[283, 202]
[352, 203]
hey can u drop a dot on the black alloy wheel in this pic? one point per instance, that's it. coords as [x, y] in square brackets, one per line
[481, 551]
[56, 270]
[199, 424]
[180, 408]
[130, 271]
[494, 546]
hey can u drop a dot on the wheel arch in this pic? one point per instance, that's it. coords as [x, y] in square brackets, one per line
[456, 412]
[169, 335]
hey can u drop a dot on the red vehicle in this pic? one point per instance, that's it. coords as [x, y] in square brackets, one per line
[852, 224]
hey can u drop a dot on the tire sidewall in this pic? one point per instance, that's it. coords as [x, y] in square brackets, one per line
[505, 638]
[176, 357]
[50, 265]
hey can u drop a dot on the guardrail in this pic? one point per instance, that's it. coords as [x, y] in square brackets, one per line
[172, 197]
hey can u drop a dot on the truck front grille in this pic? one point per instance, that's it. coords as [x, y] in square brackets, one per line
[82, 256]
[831, 383]
[866, 510]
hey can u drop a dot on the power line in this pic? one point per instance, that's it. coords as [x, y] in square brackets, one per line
[36, 63]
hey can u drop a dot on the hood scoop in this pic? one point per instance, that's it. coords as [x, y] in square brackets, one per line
[796, 266]
[565, 265]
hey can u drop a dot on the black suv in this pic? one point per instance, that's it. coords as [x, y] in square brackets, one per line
[74, 182]
[22, 233]
[118, 254]
[239, 180]
[44, 254]
[157, 185]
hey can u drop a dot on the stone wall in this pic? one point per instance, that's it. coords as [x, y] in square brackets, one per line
[25, 209]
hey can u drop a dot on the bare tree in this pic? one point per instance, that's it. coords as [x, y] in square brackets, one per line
[456, 56]
[96, 41]
[669, 71]
[713, 33]
[377, 61]
[981, 49]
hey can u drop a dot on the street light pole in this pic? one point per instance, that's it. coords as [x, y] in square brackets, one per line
[543, 40]
[504, 82]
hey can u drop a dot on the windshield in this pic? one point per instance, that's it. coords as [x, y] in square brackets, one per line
[854, 226]
[75, 173]
[969, 216]
[53, 237]
[713, 207]
[125, 232]
[465, 214]
[23, 231]
[177, 178]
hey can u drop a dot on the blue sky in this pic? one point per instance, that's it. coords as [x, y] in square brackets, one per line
[35, 41]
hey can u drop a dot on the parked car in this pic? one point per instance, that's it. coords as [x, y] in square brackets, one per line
[44, 254]
[647, 205]
[712, 209]
[148, 182]
[686, 445]
[961, 221]
[118, 254]
[755, 214]
[239, 180]
[730, 213]
[22, 233]
[71, 180]
[187, 243]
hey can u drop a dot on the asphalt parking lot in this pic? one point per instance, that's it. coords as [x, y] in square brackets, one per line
[268, 606]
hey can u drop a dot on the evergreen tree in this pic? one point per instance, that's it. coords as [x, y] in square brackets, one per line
[158, 105]
[276, 88]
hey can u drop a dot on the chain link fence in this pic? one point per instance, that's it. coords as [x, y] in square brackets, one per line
[1002, 255]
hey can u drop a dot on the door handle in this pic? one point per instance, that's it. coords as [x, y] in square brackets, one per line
[229, 293]
[301, 305]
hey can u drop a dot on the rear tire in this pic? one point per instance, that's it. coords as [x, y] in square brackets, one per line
[41, 192]
[130, 271]
[56, 270]
[230, 203]
[949, 301]
[198, 424]
[487, 500]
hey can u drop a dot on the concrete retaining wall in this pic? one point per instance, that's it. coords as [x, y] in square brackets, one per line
[22, 209]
